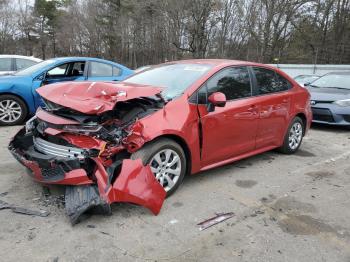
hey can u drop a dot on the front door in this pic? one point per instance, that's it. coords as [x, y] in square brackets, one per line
[228, 131]
[72, 71]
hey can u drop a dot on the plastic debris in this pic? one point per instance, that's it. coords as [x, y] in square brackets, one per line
[220, 217]
[24, 211]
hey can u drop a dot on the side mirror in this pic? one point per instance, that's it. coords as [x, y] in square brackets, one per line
[217, 99]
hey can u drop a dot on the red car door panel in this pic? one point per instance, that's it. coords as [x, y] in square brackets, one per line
[229, 131]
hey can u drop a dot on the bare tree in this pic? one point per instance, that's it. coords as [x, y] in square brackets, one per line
[139, 32]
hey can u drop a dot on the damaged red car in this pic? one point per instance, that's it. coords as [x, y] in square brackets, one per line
[134, 141]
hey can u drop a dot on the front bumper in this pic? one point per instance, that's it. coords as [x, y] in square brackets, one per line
[46, 168]
[330, 114]
[135, 182]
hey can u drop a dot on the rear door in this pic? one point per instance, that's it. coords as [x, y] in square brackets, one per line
[99, 71]
[273, 99]
[228, 131]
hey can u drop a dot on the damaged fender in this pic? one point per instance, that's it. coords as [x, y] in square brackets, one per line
[134, 184]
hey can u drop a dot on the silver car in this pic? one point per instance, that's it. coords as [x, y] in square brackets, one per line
[12, 63]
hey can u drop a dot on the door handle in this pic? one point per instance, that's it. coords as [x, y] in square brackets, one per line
[253, 109]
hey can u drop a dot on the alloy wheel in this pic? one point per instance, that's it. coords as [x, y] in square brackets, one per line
[10, 111]
[295, 135]
[166, 167]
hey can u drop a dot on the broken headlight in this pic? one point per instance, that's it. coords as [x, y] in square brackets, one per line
[30, 124]
[82, 128]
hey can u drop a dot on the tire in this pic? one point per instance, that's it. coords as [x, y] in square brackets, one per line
[13, 110]
[162, 147]
[295, 132]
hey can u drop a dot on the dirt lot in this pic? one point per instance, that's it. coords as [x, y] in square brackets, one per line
[287, 208]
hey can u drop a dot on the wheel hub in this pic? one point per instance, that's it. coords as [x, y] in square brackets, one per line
[10, 111]
[166, 167]
[295, 135]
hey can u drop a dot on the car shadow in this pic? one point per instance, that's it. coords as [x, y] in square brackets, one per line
[227, 169]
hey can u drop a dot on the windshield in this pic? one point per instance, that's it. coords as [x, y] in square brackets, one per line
[175, 78]
[32, 69]
[333, 81]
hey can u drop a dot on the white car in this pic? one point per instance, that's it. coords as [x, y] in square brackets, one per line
[12, 63]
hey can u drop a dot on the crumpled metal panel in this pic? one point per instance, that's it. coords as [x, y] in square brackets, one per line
[94, 97]
[135, 184]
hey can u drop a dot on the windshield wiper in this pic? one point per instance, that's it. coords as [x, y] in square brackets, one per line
[314, 86]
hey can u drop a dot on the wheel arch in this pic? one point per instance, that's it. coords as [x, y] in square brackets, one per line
[179, 140]
[19, 97]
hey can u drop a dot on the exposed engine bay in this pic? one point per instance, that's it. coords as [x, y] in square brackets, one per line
[111, 126]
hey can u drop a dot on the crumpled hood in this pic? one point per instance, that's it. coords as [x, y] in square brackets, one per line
[328, 94]
[94, 97]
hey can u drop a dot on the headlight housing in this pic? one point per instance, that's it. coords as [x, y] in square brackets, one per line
[345, 102]
[86, 129]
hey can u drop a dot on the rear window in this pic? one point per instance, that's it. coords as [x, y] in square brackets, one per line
[5, 64]
[24, 63]
[100, 70]
[269, 81]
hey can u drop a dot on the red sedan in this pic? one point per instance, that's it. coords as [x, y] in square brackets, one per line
[134, 141]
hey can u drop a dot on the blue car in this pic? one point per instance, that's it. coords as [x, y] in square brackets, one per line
[18, 97]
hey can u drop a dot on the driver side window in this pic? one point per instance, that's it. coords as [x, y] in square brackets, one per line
[234, 82]
[74, 69]
[58, 71]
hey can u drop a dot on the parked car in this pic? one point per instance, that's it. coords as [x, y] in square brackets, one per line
[12, 63]
[330, 99]
[305, 79]
[18, 97]
[134, 141]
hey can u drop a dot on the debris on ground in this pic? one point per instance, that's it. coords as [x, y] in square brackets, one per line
[81, 199]
[220, 217]
[48, 198]
[4, 205]
[3, 194]
[24, 211]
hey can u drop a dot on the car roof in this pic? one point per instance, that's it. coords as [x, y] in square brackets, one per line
[69, 58]
[21, 56]
[215, 62]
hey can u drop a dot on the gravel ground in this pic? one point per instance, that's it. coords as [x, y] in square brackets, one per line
[287, 208]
